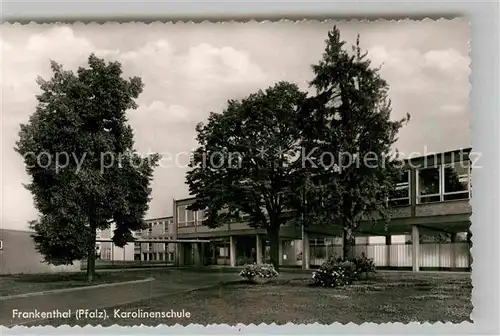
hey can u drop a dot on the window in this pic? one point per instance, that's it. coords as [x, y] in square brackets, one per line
[456, 181]
[200, 217]
[181, 215]
[428, 185]
[444, 183]
[150, 246]
[224, 252]
[189, 217]
[401, 195]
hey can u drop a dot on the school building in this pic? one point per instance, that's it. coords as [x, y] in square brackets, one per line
[431, 200]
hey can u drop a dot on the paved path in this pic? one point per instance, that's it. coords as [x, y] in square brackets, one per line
[166, 282]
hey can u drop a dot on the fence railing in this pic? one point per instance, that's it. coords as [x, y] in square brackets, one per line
[432, 255]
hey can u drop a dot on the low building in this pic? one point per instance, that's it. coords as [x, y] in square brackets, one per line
[158, 229]
[19, 256]
[431, 198]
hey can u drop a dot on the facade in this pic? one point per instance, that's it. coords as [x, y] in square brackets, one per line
[158, 229]
[18, 255]
[431, 198]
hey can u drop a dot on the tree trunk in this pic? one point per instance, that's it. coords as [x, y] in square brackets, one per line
[273, 235]
[91, 255]
[349, 242]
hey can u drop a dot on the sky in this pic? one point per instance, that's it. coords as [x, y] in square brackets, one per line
[190, 70]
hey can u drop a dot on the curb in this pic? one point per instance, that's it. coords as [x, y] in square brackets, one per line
[73, 289]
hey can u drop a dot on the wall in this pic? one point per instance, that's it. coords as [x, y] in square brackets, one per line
[18, 255]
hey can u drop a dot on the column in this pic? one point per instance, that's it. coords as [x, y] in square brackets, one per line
[453, 253]
[232, 251]
[415, 237]
[258, 249]
[179, 254]
[203, 248]
[197, 254]
[306, 250]
[388, 243]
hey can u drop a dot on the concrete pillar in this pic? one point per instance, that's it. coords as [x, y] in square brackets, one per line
[388, 243]
[179, 254]
[203, 247]
[306, 250]
[232, 251]
[197, 254]
[258, 249]
[415, 237]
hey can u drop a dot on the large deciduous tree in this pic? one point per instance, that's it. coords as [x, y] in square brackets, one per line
[85, 173]
[348, 139]
[243, 165]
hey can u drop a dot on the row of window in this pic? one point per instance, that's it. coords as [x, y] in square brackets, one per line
[164, 224]
[149, 246]
[187, 217]
[435, 184]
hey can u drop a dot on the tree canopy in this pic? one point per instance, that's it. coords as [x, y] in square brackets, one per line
[244, 163]
[348, 135]
[78, 150]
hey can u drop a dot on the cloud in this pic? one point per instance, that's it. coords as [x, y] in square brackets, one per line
[181, 86]
[437, 76]
[192, 70]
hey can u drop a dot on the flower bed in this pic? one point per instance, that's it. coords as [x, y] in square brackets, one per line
[259, 273]
[337, 272]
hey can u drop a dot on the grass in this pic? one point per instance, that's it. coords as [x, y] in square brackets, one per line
[389, 297]
[30, 283]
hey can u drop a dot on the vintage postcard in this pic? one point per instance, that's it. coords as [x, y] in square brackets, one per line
[225, 173]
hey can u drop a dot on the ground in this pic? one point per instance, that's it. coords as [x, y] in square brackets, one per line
[30, 283]
[388, 297]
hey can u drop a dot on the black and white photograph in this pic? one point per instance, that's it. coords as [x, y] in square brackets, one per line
[224, 173]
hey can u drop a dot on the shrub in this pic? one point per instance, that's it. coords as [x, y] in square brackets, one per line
[334, 273]
[244, 261]
[364, 264]
[337, 272]
[259, 272]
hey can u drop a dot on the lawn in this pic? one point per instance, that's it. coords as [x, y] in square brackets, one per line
[388, 297]
[30, 283]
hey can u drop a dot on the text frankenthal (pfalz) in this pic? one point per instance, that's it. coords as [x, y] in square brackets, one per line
[99, 314]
